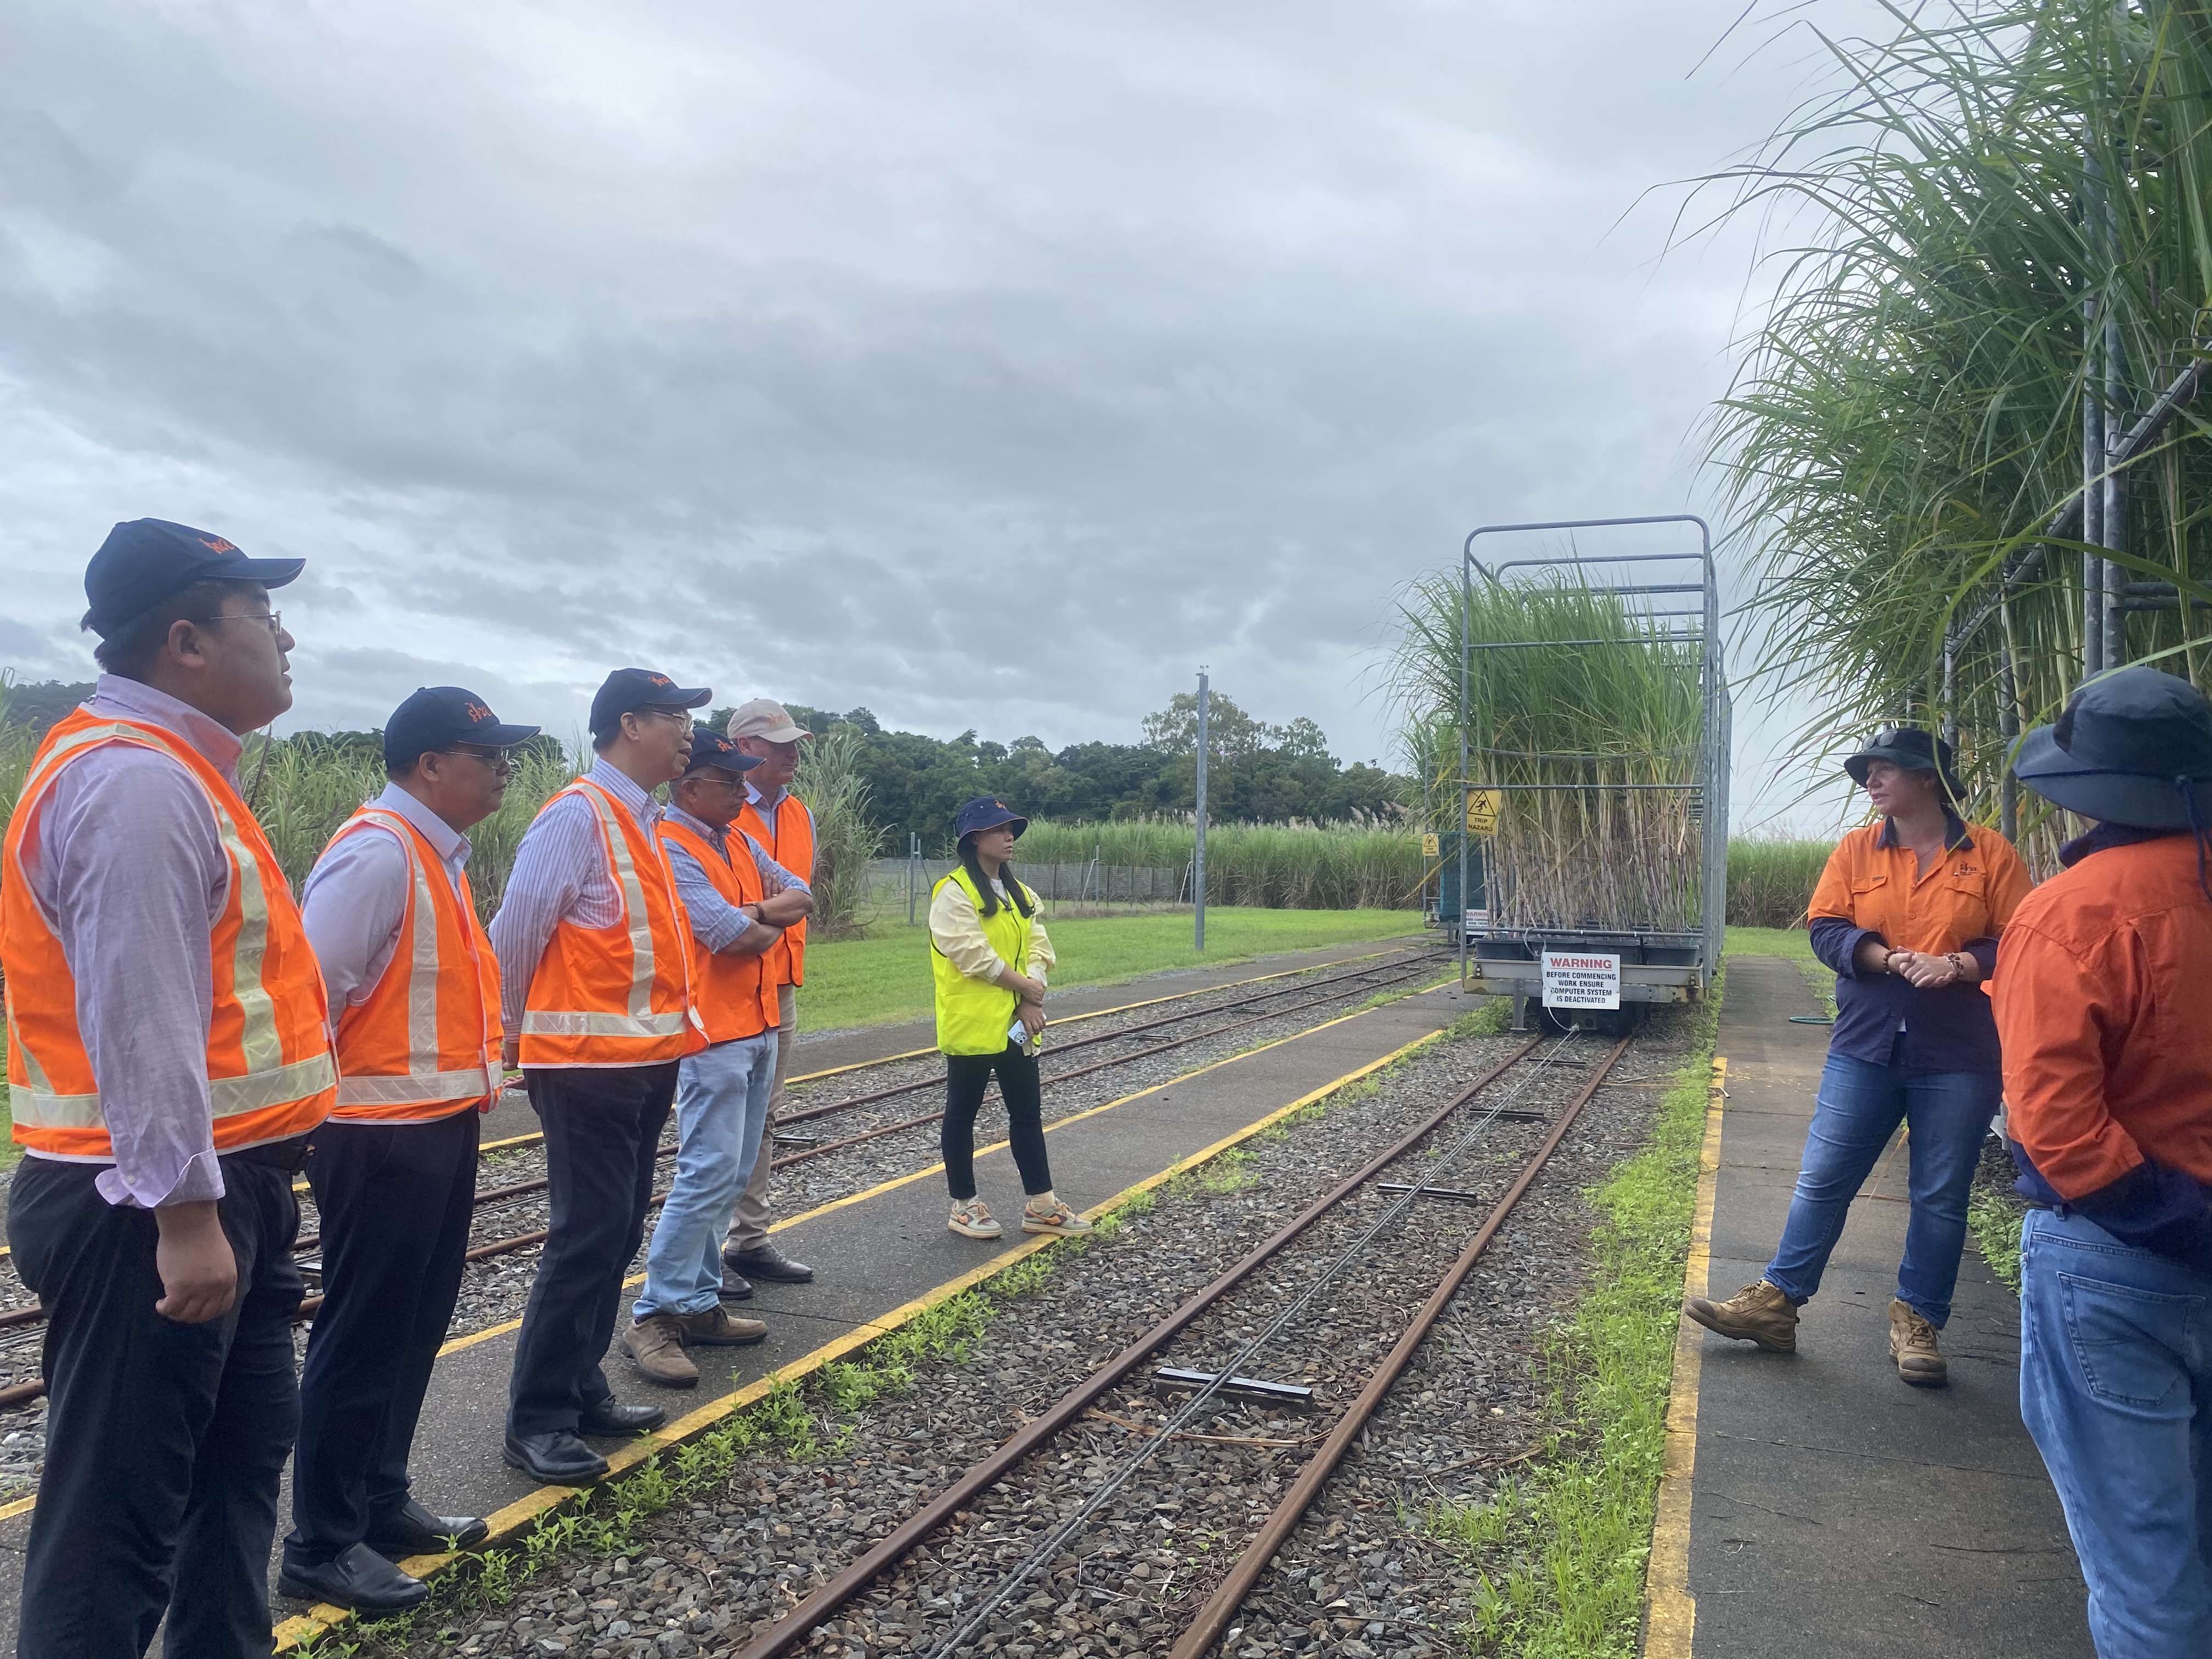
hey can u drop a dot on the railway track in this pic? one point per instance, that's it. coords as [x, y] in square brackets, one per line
[1302, 1266]
[21, 1325]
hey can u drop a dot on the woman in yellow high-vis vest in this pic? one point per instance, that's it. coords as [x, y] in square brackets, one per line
[990, 956]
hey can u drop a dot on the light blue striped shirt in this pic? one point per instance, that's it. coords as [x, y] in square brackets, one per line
[715, 923]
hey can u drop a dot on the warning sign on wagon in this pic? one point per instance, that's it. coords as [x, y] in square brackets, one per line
[1582, 979]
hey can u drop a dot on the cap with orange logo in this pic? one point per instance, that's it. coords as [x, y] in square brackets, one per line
[144, 562]
[438, 715]
[628, 689]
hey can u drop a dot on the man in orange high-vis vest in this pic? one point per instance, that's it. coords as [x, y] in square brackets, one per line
[412, 976]
[168, 1052]
[780, 822]
[595, 973]
[721, 1092]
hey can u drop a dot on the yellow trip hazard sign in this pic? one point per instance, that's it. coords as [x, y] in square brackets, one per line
[1429, 847]
[1482, 811]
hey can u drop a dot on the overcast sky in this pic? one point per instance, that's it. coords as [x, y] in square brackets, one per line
[989, 364]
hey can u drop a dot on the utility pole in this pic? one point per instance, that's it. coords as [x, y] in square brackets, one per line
[1198, 863]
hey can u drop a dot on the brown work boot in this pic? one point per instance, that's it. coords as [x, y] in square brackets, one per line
[1760, 1313]
[656, 1343]
[718, 1328]
[1912, 1346]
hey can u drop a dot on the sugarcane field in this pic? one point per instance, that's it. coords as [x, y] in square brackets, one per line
[1212, 833]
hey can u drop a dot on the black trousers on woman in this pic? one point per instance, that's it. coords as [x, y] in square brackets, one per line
[966, 1076]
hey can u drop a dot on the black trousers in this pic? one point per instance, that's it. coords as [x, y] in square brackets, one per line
[396, 1199]
[966, 1076]
[165, 1442]
[602, 1127]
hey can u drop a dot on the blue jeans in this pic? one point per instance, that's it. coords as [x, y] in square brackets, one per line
[721, 1108]
[1946, 1114]
[2116, 1386]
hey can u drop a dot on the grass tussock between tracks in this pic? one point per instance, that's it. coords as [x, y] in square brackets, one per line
[1563, 1550]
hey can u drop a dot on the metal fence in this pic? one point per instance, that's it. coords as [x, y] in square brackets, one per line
[891, 882]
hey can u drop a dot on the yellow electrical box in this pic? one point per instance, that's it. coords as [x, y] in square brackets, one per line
[1429, 847]
[1482, 811]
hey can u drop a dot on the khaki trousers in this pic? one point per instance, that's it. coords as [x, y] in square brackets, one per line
[748, 1226]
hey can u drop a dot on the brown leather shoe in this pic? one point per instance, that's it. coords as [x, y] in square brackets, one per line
[718, 1328]
[656, 1343]
[1912, 1346]
[1760, 1313]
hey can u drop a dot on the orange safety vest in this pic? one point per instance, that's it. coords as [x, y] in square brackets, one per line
[425, 1043]
[790, 842]
[269, 1068]
[619, 995]
[736, 998]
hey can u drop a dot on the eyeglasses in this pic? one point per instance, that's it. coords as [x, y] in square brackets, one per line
[498, 759]
[274, 621]
[681, 716]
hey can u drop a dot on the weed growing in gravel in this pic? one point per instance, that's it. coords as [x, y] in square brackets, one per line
[1488, 1020]
[1995, 1214]
[1565, 1548]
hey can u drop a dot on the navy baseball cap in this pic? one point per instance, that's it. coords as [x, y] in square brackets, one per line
[145, 560]
[628, 689]
[986, 812]
[439, 714]
[712, 748]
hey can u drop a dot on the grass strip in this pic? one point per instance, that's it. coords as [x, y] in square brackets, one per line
[883, 979]
[1563, 1550]
[1994, 1213]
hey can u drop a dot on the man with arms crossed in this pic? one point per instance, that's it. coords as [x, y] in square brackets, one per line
[596, 993]
[723, 1091]
[780, 825]
[407, 965]
[168, 1051]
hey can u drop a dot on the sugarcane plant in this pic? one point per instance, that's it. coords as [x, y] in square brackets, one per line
[1990, 243]
[1585, 717]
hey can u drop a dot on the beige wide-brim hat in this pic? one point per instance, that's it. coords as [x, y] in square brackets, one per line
[761, 718]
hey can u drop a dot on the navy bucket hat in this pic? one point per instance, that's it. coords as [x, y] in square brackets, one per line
[2133, 747]
[1910, 749]
[986, 812]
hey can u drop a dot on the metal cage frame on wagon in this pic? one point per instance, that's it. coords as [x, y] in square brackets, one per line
[1642, 980]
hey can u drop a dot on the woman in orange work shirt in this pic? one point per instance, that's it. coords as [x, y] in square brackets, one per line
[1907, 913]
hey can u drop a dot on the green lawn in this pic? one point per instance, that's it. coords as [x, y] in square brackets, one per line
[1792, 942]
[876, 982]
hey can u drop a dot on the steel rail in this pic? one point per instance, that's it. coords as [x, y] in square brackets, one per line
[1203, 1631]
[1398, 970]
[797, 1627]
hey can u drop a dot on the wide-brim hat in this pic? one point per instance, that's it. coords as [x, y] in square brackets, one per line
[1910, 749]
[2133, 747]
[986, 812]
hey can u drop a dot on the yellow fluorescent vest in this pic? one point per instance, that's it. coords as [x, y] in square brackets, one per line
[972, 1017]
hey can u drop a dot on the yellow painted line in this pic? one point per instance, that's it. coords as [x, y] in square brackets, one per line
[1670, 1623]
[20, 1506]
[519, 1516]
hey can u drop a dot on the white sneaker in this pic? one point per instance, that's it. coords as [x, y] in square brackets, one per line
[973, 1220]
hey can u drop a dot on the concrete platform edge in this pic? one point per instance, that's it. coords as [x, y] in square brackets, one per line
[518, 1518]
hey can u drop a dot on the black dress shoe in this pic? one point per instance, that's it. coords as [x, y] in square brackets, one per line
[612, 1416]
[556, 1457]
[359, 1579]
[410, 1529]
[735, 1287]
[766, 1261]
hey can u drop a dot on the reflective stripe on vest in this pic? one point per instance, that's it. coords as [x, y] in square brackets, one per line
[269, 1073]
[735, 998]
[398, 1023]
[972, 1015]
[790, 842]
[638, 1033]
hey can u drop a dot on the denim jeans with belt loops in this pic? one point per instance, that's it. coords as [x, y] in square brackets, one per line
[2115, 1387]
[1947, 1115]
[721, 1111]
